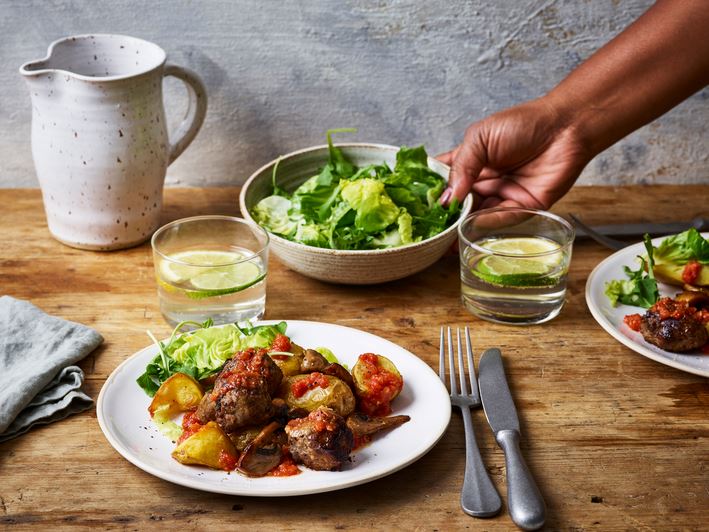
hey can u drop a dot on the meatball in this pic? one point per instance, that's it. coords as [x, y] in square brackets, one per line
[673, 334]
[243, 400]
[321, 441]
[256, 361]
[206, 409]
[672, 324]
[233, 407]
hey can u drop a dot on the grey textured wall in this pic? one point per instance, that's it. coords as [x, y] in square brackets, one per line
[279, 73]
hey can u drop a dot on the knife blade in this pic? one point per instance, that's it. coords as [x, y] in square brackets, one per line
[524, 499]
[653, 229]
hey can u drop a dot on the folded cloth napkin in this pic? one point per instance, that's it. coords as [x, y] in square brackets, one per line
[39, 382]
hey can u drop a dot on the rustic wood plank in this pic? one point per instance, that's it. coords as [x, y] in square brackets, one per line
[616, 441]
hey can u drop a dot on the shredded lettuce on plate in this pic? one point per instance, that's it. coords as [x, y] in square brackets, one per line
[374, 207]
[202, 352]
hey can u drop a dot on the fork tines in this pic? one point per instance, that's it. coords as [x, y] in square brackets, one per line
[474, 394]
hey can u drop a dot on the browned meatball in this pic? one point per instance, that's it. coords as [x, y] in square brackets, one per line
[254, 361]
[321, 441]
[206, 409]
[243, 400]
[673, 334]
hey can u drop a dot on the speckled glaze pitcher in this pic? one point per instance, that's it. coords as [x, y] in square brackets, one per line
[99, 140]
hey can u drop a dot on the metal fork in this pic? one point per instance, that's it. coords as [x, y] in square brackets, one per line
[479, 497]
[603, 240]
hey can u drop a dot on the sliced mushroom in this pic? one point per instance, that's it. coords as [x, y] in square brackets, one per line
[313, 361]
[336, 370]
[364, 425]
[263, 453]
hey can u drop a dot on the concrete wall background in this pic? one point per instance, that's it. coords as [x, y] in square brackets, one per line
[280, 73]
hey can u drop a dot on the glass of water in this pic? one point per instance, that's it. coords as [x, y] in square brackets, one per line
[211, 267]
[514, 263]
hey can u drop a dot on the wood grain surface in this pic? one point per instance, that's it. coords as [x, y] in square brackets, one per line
[615, 441]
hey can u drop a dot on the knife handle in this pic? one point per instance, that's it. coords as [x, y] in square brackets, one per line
[524, 499]
[479, 497]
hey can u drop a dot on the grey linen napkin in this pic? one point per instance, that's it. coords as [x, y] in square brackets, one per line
[39, 382]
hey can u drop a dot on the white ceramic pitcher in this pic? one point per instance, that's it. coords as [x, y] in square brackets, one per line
[99, 141]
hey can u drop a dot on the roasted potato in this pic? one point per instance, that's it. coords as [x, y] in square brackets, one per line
[671, 273]
[313, 390]
[377, 383]
[209, 446]
[296, 349]
[178, 393]
[289, 364]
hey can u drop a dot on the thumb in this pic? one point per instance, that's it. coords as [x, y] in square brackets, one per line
[470, 159]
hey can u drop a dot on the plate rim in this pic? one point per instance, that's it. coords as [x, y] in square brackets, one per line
[666, 358]
[294, 491]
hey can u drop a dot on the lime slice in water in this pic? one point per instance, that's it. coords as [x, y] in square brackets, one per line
[525, 271]
[210, 273]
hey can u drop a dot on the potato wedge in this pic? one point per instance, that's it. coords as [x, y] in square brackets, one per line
[318, 390]
[177, 394]
[671, 273]
[209, 446]
[289, 364]
[377, 383]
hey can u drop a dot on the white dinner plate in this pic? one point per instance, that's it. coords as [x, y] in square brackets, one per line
[611, 319]
[122, 411]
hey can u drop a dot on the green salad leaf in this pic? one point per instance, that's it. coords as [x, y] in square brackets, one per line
[640, 289]
[345, 207]
[203, 351]
[683, 247]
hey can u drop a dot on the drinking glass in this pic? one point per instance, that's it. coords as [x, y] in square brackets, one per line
[211, 267]
[514, 264]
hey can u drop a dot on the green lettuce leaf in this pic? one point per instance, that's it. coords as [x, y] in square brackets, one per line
[202, 352]
[640, 289]
[375, 209]
[683, 247]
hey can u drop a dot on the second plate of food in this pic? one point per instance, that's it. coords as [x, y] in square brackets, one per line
[611, 318]
[122, 411]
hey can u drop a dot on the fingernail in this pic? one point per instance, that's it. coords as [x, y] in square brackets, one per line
[446, 196]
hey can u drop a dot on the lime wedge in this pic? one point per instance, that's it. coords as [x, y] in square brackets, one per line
[524, 271]
[210, 273]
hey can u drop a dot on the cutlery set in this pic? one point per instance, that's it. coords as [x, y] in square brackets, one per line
[479, 497]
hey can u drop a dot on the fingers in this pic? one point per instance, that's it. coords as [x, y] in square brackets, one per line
[447, 157]
[469, 160]
[505, 193]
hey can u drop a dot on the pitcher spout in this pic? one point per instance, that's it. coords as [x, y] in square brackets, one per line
[97, 58]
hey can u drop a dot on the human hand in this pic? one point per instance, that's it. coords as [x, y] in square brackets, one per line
[525, 156]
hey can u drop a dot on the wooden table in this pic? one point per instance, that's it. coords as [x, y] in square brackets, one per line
[615, 441]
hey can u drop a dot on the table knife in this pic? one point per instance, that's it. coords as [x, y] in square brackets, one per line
[653, 229]
[524, 499]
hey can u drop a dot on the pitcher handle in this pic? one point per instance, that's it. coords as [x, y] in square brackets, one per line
[196, 109]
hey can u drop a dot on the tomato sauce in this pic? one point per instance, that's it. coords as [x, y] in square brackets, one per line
[314, 380]
[691, 270]
[190, 425]
[633, 321]
[285, 468]
[281, 343]
[382, 387]
[227, 461]
[666, 308]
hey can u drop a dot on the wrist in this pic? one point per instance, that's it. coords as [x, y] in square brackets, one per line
[573, 122]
